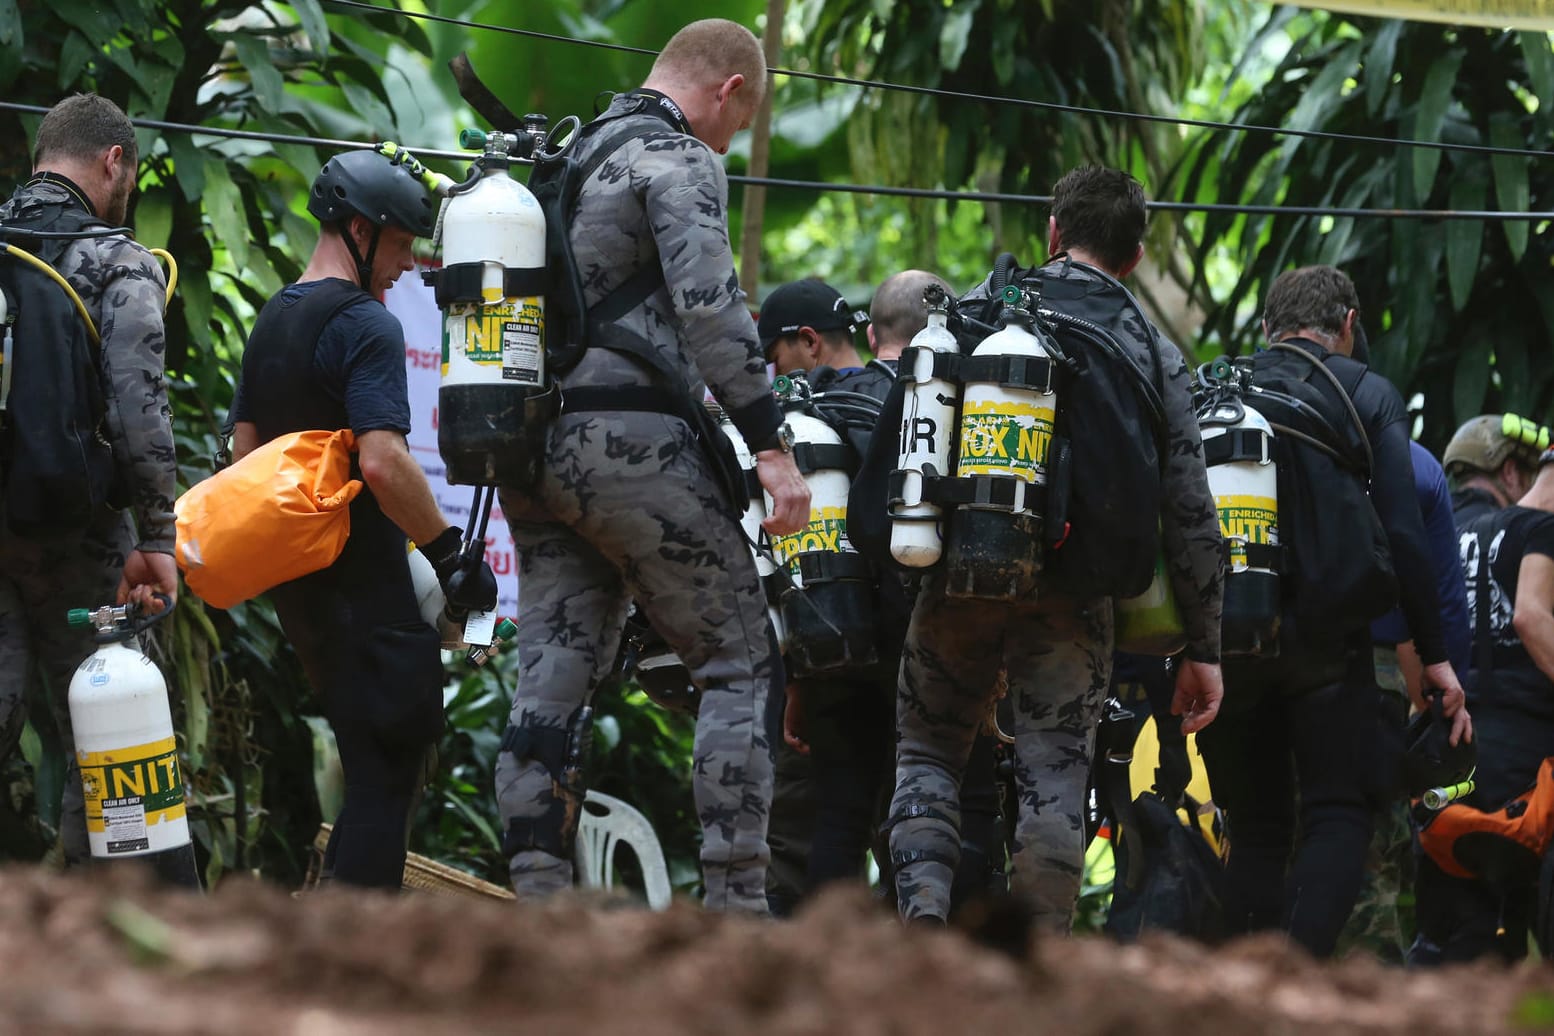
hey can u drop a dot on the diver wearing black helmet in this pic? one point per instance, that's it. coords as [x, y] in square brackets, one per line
[324, 353]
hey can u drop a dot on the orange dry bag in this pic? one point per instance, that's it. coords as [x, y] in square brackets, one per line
[279, 513]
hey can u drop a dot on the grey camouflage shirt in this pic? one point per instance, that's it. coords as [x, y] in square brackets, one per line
[663, 198]
[123, 288]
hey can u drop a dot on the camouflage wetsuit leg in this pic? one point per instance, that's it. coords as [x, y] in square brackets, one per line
[948, 669]
[1059, 662]
[40, 580]
[633, 512]
[1059, 657]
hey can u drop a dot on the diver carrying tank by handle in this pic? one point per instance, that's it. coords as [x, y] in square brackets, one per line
[996, 538]
[1238, 450]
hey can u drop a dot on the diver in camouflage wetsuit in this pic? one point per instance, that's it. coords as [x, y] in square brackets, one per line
[85, 160]
[627, 505]
[1058, 649]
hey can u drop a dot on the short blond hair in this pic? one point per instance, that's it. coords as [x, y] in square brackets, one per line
[707, 52]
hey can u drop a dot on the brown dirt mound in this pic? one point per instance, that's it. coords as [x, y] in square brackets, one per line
[117, 957]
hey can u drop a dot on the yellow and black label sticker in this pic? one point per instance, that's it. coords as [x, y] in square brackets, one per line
[1003, 438]
[826, 531]
[144, 776]
[1247, 519]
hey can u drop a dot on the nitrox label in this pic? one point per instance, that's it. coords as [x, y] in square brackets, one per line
[1005, 438]
[128, 789]
[1247, 519]
[508, 334]
[826, 531]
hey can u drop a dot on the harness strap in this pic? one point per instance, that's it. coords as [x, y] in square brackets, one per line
[639, 398]
[824, 566]
[1238, 444]
[814, 456]
[1021, 372]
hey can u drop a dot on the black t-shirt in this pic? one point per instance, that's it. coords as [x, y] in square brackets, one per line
[1469, 505]
[360, 362]
[1510, 535]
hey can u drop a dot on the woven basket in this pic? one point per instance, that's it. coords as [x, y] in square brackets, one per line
[421, 874]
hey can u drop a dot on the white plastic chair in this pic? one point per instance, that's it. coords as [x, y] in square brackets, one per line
[606, 822]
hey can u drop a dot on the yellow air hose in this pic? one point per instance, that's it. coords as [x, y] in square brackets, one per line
[172, 272]
[28, 257]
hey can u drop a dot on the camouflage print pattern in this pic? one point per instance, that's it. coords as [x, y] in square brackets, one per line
[40, 580]
[1189, 519]
[1058, 655]
[123, 289]
[626, 508]
[1376, 925]
[662, 199]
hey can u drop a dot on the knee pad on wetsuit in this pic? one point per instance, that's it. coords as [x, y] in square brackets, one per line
[562, 751]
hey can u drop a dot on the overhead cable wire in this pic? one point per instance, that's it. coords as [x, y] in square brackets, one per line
[932, 91]
[826, 186]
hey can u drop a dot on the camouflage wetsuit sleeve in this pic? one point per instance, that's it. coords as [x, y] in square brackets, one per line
[132, 291]
[687, 210]
[1189, 520]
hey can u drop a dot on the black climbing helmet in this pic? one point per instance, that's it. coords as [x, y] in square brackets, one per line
[374, 186]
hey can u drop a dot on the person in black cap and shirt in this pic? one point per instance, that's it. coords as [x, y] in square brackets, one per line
[836, 766]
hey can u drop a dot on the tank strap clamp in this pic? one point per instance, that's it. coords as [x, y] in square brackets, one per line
[824, 566]
[994, 491]
[1238, 444]
[1266, 556]
[1035, 373]
[461, 282]
[946, 366]
[818, 456]
[896, 499]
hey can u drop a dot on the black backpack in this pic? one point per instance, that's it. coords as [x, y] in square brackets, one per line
[1338, 566]
[1109, 436]
[56, 464]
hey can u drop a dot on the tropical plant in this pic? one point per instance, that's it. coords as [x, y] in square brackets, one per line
[1459, 312]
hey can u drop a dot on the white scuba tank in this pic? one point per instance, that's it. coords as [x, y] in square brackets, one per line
[751, 521]
[493, 356]
[1005, 434]
[827, 613]
[1246, 494]
[128, 753]
[928, 432]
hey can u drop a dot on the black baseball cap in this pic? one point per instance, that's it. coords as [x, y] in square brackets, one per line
[807, 303]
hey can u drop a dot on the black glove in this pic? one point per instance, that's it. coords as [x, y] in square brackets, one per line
[468, 584]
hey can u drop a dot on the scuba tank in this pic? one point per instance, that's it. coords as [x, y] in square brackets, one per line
[751, 520]
[127, 750]
[434, 612]
[1008, 405]
[827, 599]
[491, 291]
[1238, 449]
[927, 446]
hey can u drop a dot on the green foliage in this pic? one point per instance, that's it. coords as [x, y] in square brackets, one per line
[1136, 55]
[1456, 310]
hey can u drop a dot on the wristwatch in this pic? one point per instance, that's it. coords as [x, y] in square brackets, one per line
[782, 439]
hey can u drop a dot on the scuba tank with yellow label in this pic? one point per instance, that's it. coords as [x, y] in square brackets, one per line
[1008, 406]
[127, 749]
[827, 598]
[491, 289]
[1238, 449]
